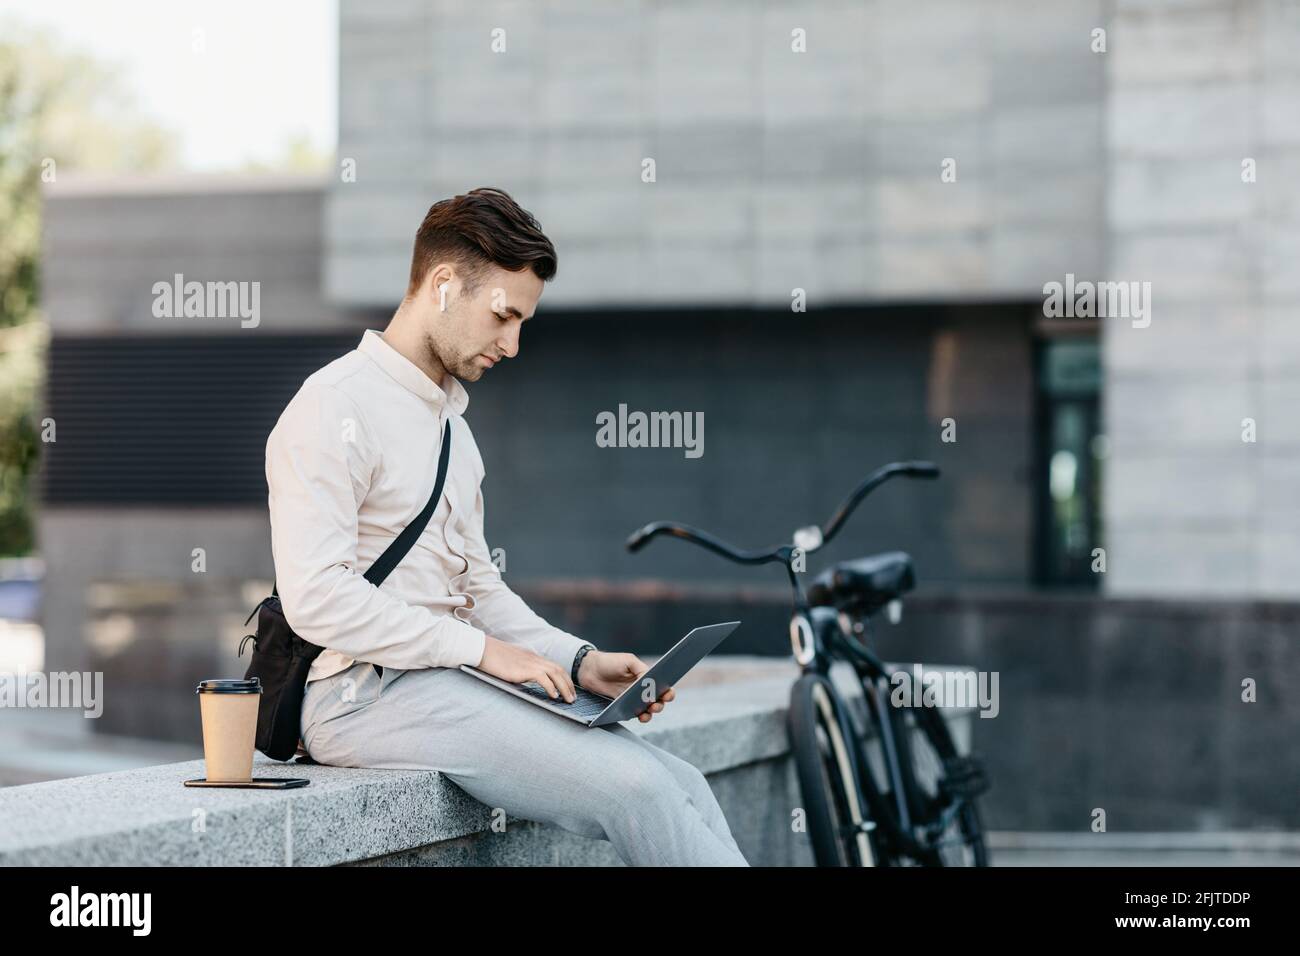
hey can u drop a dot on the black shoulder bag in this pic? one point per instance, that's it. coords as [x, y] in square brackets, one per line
[281, 659]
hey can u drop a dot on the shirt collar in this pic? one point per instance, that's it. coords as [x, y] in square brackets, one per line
[411, 377]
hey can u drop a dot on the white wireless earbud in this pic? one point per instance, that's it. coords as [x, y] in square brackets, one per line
[442, 289]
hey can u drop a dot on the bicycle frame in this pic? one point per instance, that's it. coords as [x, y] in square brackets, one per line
[876, 679]
[819, 637]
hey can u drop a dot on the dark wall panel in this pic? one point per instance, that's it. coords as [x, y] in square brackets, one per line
[175, 420]
[797, 408]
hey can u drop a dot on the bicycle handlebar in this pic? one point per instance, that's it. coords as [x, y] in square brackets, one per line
[911, 469]
[641, 537]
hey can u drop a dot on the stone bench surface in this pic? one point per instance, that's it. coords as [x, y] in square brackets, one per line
[147, 817]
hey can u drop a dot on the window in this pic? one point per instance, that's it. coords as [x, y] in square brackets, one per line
[1071, 450]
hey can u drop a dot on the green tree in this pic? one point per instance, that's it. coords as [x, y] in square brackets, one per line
[60, 111]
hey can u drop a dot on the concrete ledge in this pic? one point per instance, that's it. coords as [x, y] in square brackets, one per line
[734, 732]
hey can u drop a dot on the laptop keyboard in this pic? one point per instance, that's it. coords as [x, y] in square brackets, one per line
[585, 703]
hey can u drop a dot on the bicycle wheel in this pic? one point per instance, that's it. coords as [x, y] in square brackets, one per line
[945, 785]
[828, 775]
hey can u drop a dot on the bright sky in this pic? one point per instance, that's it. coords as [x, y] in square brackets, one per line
[267, 70]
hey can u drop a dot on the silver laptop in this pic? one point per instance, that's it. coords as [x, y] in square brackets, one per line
[594, 710]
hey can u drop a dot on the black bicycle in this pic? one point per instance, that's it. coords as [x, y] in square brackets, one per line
[881, 785]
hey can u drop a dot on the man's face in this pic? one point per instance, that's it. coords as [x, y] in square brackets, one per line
[482, 328]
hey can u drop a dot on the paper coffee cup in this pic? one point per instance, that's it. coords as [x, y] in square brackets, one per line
[229, 712]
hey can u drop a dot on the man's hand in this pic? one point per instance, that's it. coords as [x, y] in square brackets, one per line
[519, 665]
[606, 673]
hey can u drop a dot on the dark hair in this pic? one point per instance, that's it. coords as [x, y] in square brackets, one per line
[473, 230]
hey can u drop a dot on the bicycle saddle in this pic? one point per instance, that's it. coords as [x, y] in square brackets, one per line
[865, 584]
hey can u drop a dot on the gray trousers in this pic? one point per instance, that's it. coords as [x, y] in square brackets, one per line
[604, 782]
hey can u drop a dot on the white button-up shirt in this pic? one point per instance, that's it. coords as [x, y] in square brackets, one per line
[351, 461]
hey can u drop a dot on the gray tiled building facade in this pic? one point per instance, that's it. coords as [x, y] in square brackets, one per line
[775, 169]
[1194, 92]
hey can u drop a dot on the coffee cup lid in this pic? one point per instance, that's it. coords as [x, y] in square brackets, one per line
[252, 686]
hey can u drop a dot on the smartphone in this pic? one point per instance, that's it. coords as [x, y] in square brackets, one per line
[256, 783]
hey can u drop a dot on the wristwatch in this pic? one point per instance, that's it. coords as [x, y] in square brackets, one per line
[577, 661]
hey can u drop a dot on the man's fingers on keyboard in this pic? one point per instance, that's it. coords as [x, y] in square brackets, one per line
[544, 679]
[563, 684]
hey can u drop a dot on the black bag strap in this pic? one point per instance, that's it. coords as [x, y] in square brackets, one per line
[403, 543]
[394, 553]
